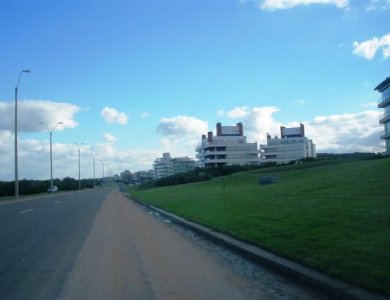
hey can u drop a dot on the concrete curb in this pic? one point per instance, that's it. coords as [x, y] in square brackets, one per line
[335, 288]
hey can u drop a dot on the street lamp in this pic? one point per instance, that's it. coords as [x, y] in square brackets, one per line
[78, 147]
[16, 133]
[51, 150]
[94, 177]
[102, 161]
[108, 173]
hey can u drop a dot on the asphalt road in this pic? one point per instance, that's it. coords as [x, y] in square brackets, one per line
[98, 244]
[40, 239]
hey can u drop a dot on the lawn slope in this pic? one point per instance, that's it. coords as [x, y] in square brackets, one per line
[331, 217]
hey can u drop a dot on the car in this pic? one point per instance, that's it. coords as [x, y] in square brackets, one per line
[52, 189]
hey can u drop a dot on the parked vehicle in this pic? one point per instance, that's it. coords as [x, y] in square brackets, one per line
[52, 189]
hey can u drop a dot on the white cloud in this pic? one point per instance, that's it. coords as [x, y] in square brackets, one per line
[357, 132]
[109, 138]
[34, 159]
[369, 104]
[181, 134]
[331, 133]
[221, 113]
[181, 126]
[378, 4]
[288, 4]
[111, 115]
[299, 102]
[145, 115]
[369, 48]
[31, 112]
[238, 112]
[334, 133]
[258, 121]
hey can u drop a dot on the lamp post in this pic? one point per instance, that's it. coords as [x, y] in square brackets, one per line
[108, 173]
[94, 177]
[51, 150]
[16, 133]
[78, 147]
[102, 161]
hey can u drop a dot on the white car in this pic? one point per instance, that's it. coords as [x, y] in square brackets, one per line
[52, 189]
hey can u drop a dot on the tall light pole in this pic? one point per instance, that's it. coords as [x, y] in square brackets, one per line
[16, 133]
[94, 177]
[51, 150]
[107, 173]
[102, 161]
[78, 147]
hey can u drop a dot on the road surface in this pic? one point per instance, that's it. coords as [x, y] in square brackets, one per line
[97, 244]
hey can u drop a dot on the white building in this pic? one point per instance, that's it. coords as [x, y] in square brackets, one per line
[384, 102]
[229, 147]
[141, 177]
[293, 145]
[167, 166]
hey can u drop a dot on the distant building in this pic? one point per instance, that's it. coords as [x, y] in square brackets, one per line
[292, 145]
[167, 166]
[384, 102]
[229, 147]
[141, 177]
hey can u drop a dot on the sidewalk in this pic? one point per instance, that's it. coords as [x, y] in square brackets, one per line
[334, 287]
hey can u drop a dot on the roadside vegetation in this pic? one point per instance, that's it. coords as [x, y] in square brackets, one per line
[204, 174]
[332, 215]
[29, 187]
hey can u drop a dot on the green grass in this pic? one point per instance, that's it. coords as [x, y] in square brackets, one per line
[331, 217]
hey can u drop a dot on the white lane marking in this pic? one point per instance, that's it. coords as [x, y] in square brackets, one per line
[26, 211]
[58, 201]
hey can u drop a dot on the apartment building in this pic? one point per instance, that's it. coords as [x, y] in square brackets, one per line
[141, 177]
[384, 102]
[228, 147]
[292, 145]
[166, 165]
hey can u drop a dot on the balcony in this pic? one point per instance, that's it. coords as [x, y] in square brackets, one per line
[384, 118]
[385, 135]
[384, 101]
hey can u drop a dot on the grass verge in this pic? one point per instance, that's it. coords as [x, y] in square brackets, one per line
[334, 218]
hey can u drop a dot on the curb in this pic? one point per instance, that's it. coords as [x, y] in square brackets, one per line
[335, 288]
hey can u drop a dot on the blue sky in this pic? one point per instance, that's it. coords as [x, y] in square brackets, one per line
[133, 79]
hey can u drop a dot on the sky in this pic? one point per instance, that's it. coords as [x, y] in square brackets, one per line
[129, 80]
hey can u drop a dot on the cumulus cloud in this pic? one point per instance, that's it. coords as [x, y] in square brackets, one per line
[378, 4]
[34, 159]
[258, 121]
[238, 112]
[145, 115]
[357, 132]
[181, 133]
[287, 4]
[111, 115]
[31, 112]
[369, 48]
[181, 126]
[109, 138]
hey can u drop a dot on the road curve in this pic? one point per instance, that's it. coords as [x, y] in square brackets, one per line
[132, 254]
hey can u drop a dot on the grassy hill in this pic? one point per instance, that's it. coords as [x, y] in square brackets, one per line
[333, 217]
